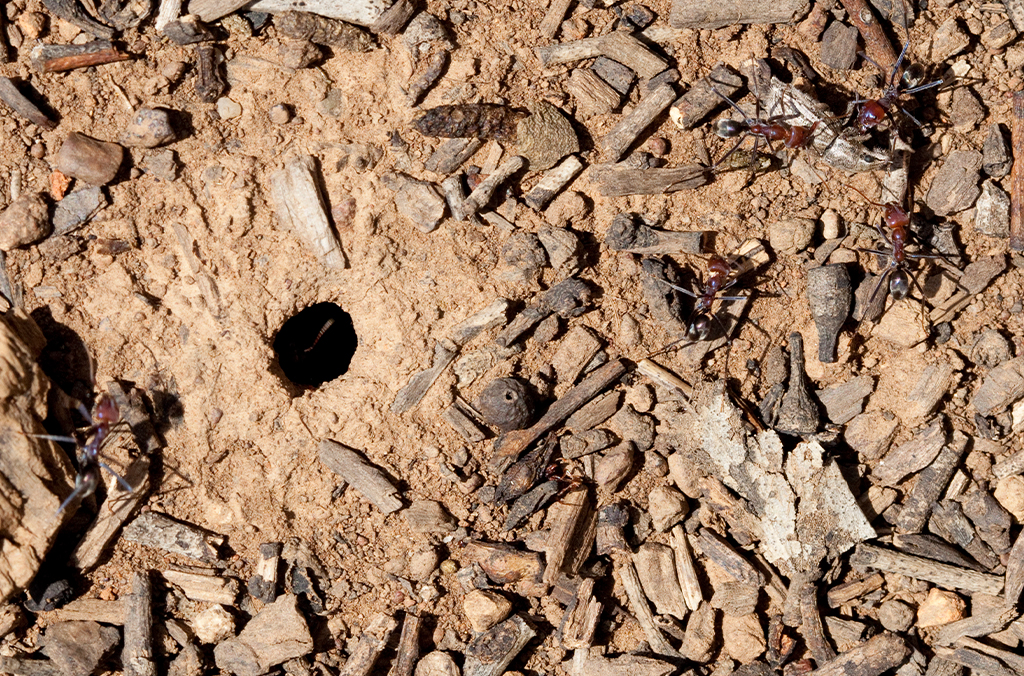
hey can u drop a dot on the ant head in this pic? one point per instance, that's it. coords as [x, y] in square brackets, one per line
[106, 410]
[871, 113]
[699, 328]
[87, 481]
[730, 128]
[899, 284]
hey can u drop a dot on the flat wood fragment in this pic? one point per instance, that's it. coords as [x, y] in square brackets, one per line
[593, 95]
[483, 193]
[579, 622]
[931, 482]
[28, 666]
[299, 206]
[452, 154]
[509, 446]
[1015, 573]
[974, 626]
[871, 658]
[494, 315]
[619, 46]
[811, 627]
[97, 610]
[465, 420]
[211, 10]
[617, 181]
[567, 520]
[656, 567]
[941, 574]
[911, 456]
[137, 654]
[362, 12]
[361, 474]
[553, 181]
[412, 394]
[701, 635]
[154, 529]
[408, 646]
[712, 15]
[687, 574]
[949, 522]
[74, 13]
[59, 58]
[848, 591]
[700, 100]
[209, 588]
[626, 573]
[490, 653]
[616, 143]
[553, 17]
[728, 559]
[116, 510]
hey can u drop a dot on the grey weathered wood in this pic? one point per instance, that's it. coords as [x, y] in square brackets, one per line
[412, 394]
[719, 551]
[616, 181]
[451, 154]
[465, 420]
[17, 102]
[1015, 572]
[626, 234]
[27, 666]
[362, 475]
[300, 207]
[931, 482]
[552, 182]
[553, 17]
[483, 193]
[974, 626]
[567, 520]
[579, 622]
[209, 588]
[941, 574]
[624, 134]
[490, 653]
[700, 100]
[118, 507]
[263, 585]
[685, 571]
[711, 15]
[871, 658]
[811, 627]
[137, 654]
[393, 19]
[408, 646]
[911, 456]
[842, 594]
[278, 633]
[211, 10]
[626, 572]
[619, 46]
[154, 529]
[169, 11]
[495, 314]
[593, 95]
[656, 567]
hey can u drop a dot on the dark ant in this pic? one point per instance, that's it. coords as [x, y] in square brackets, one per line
[105, 416]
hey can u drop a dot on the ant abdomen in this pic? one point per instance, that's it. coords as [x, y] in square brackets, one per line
[730, 128]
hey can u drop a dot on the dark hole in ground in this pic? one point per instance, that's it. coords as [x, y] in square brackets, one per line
[316, 345]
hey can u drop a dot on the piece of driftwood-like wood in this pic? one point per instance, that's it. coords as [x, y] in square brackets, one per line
[700, 100]
[20, 104]
[295, 192]
[211, 10]
[552, 182]
[465, 420]
[656, 567]
[370, 645]
[509, 446]
[408, 646]
[728, 559]
[950, 523]
[911, 456]
[490, 653]
[137, 654]
[593, 95]
[495, 314]
[263, 584]
[981, 658]
[871, 658]
[811, 627]
[361, 474]
[933, 547]
[700, 636]
[553, 17]
[664, 377]
[973, 626]
[567, 520]
[119, 506]
[451, 154]
[393, 19]
[931, 482]
[483, 193]
[154, 529]
[579, 622]
[568, 298]
[624, 134]
[361, 12]
[169, 10]
[73, 12]
[941, 574]
[616, 181]
[97, 610]
[618, 46]
[688, 580]
[27, 666]
[209, 588]
[624, 569]
[712, 15]
[1015, 573]
[412, 394]
[60, 58]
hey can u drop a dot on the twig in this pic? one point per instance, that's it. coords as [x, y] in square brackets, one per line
[876, 44]
[1017, 174]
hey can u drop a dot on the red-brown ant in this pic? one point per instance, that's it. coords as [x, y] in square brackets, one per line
[105, 416]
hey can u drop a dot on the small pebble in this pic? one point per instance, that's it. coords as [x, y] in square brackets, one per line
[437, 663]
[667, 507]
[792, 235]
[280, 114]
[151, 127]
[506, 404]
[896, 615]
[24, 221]
[213, 625]
[991, 349]
[830, 228]
[615, 466]
[485, 608]
[174, 70]
[228, 109]
[939, 608]
[423, 563]
[38, 150]
[428, 516]
[88, 159]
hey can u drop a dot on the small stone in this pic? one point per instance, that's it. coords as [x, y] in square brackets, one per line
[280, 114]
[996, 158]
[506, 403]
[278, 633]
[955, 186]
[685, 474]
[940, 607]
[991, 349]
[32, 24]
[637, 427]
[563, 249]
[228, 109]
[87, 159]
[1009, 492]
[992, 211]
[437, 663]
[428, 516]
[419, 201]
[545, 137]
[839, 46]
[548, 329]
[333, 104]
[792, 235]
[870, 434]
[149, 128]
[524, 256]
[949, 40]
[966, 110]
[213, 625]
[298, 54]
[423, 563]
[895, 615]
[743, 637]
[667, 507]
[904, 323]
[830, 224]
[615, 466]
[484, 609]
[629, 331]
[174, 70]
[997, 37]
[25, 220]
[38, 150]
[162, 165]
[1002, 387]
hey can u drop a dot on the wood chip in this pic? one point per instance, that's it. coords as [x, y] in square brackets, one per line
[361, 474]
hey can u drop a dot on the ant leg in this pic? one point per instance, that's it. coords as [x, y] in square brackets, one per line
[680, 289]
[120, 479]
[54, 437]
[670, 347]
[730, 102]
[878, 286]
[736, 147]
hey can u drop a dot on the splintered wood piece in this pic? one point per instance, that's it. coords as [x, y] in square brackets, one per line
[552, 182]
[553, 17]
[933, 547]
[811, 628]
[17, 102]
[361, 474]
[465, 420]
[624, 134]
[931, 482]
[408, 646]
[153, 529]
[910, 457]
[728, 559]
[490, 653]
[700, 635]
[579, 622]
[509, 446]
[263, 585]
[370, 645]
[59, 58]
[412, 394]
[1017, 174]
[941, 574]
[209, 588]
[982, 658]
[700, 15]
[483, 193]
[567, 520]
[949, 522]
[295, 192]
[97, 610]
[137, 654]
[593, 95]
[618, 46]
[974, 626]
[1015, 572]
[871, 658]
[656, 567]
[685, 570]
[615, 180]
[662, 376]
[116, 509]
[700, 100]
[848, 591]
[451, 154]
[623, 565]
[495, 314]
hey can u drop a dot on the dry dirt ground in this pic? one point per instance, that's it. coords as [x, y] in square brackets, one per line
[241, 443]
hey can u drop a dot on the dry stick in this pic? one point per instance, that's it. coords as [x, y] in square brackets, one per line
[1017, 174]
[553, 19]
[870, 658]
[638, 603]
[919, 568]
[876, 44]
[811, 626]
[371, 644]
[408, 646]
[59, 58]
[17, 102]
[137, 656]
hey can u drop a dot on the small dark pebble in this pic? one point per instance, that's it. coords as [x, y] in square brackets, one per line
[54, 596]
[943, 332]
[506, 403]
[637, 16]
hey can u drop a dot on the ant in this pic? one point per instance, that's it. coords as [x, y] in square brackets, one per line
[873, 111]
[105, 416]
